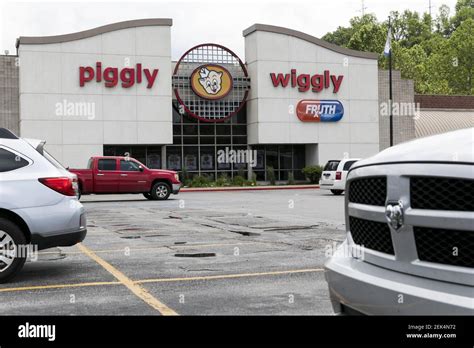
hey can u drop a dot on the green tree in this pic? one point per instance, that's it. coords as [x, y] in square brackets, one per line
[411, 62]
[461, 58]
[464, 11]
[436, 54]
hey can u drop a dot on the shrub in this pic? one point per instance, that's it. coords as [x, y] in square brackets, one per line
[238, 180]
[242, 173]
[313, 173]
[254, 179]
[223, 180]
[271, 175]
[200, 181]
[291, 178]
[184, 176]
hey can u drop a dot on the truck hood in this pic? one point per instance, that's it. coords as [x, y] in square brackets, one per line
[455, 147]
[163, 171]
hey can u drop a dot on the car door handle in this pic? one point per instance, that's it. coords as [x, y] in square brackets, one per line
[100, 174]
[123, 174]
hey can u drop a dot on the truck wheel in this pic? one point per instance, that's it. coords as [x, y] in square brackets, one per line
[160, 191]
[337, 192]
[148, 195]
[11, 258]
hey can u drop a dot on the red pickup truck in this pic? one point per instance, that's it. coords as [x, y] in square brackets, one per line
[109, 174]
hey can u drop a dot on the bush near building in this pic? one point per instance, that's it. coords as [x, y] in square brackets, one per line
[313, 173]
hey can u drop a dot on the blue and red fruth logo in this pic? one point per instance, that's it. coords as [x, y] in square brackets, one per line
[319, 110]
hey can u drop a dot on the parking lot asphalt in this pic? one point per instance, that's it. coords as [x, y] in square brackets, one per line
[198, 253]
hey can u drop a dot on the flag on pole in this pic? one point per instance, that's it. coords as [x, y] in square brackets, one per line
[388, 43]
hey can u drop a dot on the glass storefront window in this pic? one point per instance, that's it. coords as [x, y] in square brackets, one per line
[207, 158]
[222, 129]
[173, 158]
[148, 155]
[241, 158]
[177, 129]
[122, 150]
[190, 129]
[299, 156]
[239, 140]
[109, 151]
[272, 156]
[241, 117]
[260, 158]
[191, 158]
[190, 140]
[285, 157]
[206, 130]
[139, 153]
[222, 162]
[153, 155]
[260, 175]
[223, 140]
[176, 116]
[207, 140]
[239, 130]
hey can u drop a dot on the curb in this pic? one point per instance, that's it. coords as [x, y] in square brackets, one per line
[250, 188]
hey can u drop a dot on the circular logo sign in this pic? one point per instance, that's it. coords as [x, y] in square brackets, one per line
[211, 81]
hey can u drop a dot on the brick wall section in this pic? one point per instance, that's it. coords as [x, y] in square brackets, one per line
[9, 93]
[403, 125]
[445, 101]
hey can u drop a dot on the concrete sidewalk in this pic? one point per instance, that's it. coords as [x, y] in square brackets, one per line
[249, 188]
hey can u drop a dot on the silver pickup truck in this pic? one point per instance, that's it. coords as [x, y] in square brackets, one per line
[410, 231]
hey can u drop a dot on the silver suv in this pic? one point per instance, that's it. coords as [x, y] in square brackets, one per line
[410, 231]
[38, 203]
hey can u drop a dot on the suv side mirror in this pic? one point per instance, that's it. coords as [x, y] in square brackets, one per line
[141, 168]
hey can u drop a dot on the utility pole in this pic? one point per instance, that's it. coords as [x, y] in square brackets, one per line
[387, 52]
[390, 94]
[363, 8]
[429, 11]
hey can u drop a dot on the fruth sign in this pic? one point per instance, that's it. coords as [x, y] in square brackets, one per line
[305, 82]
[319, 110]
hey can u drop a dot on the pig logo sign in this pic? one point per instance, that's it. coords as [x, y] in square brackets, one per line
[211, 81]
[319, 110]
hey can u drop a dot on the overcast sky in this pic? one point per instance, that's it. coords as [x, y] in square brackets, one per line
[194, 22]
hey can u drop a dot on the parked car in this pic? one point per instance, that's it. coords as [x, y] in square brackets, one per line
[114, 174]
[410, 231]
[334, 175]
[38, 203]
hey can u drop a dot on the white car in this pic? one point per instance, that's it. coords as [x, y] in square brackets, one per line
[410, 231]
[38, 203]
[335, 173]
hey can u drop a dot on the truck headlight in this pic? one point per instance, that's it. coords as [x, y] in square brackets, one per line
[176, 176]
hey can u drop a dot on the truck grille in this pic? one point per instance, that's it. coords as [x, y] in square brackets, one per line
[442, 193]
[371, 234]
[438, 245]
[369, 190]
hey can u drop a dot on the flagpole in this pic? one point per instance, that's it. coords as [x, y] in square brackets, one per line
[390, 96]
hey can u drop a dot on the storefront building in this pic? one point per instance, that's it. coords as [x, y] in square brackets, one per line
[293, 101]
